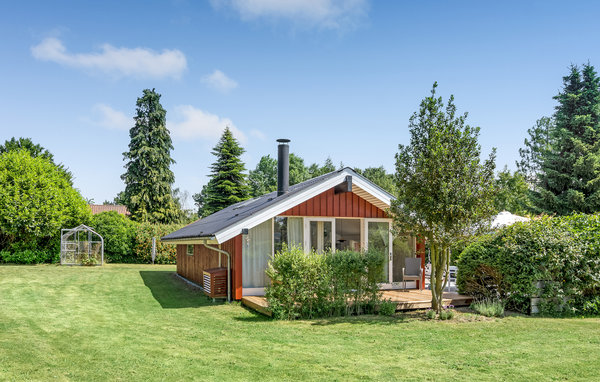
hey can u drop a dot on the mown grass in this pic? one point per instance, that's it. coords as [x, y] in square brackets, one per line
[132, 322]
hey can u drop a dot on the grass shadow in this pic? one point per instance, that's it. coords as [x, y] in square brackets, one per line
[172, 293]
[366, 319]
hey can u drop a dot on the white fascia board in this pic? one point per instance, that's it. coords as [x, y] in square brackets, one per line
[276, 209]
[288, 203]
[191, 240]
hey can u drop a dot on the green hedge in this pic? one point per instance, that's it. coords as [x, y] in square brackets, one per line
[29, 256]
[319, 285]
[563, 253]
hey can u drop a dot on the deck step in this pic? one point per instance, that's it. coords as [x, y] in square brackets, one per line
[405, 300]
[258, 304]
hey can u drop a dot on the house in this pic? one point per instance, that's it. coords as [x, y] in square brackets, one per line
[335, 211]
[99, 208]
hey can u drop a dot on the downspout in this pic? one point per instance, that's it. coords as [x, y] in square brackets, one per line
[228, 267]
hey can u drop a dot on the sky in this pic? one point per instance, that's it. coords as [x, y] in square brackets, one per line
[340, 78]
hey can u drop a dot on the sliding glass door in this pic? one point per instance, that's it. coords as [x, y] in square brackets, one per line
[379, 237]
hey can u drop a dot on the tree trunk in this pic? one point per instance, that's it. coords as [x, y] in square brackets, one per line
[440, 262]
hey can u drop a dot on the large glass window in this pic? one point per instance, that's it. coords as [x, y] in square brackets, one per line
[287, 230]
[403, 247]
[347, 234]
[379, 239]
[256, 255]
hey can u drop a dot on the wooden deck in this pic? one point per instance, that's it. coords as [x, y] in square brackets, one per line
[404, 299]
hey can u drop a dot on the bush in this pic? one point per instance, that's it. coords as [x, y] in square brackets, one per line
[142, 244]
[118, 233]
[563, 253]
[36, 202]
[446, 314]
[319, 285]
[28, 256]
[430, 314]
[489, 308]
[387, 308]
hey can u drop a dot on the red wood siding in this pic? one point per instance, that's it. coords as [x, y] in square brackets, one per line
[345, 205]
[192, 267]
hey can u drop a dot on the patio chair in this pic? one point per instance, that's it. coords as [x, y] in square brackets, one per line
[412, 270]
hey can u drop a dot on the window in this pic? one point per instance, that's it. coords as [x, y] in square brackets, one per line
[256, 255]
[287, 230]
[190, 250]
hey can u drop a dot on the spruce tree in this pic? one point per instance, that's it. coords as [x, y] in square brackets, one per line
[148, 177]
[227, 184]
[570, 173]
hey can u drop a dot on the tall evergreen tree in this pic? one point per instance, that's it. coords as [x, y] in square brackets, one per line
[148, 177]
[570, 174]
[227, 184]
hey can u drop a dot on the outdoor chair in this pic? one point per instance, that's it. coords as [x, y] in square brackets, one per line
[412, 270]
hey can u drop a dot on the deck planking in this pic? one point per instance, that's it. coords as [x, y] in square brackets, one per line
[404, 299]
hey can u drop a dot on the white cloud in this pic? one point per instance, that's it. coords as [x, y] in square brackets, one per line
[328, 14]
[110, 118]
[258, 134]
[192, 123]
[136, 62]
[219, 81]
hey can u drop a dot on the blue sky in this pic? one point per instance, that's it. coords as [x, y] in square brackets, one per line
[340, 78]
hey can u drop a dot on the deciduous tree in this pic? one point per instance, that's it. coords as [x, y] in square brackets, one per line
[443, 188]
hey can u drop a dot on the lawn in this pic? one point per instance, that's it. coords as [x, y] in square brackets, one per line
[139, 322]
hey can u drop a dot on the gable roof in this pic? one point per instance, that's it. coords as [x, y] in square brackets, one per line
[99, 208]
[229, 222]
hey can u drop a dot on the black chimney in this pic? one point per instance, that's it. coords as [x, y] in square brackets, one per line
[283, 166]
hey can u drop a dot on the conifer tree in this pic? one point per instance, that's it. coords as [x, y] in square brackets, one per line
[570, 175]
[228, 184]
[148, 177]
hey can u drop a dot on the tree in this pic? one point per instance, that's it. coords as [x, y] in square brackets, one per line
[263, 179]
[381, 178]
[443, 190]
[36, 202]
[536, 148]
[512, 193]
[227, 184]
[148, 177]
[35, 150]
[569, 180]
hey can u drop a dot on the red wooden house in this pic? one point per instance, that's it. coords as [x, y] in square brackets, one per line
[338, 210]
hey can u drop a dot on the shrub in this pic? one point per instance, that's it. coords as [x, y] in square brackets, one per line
[489, 308]
[562, 252]
[118, 233]
[36, 201]
[446, 314]
[28, 256]
[142, 244]
[387, 308]
[318, 285]
[430, 314]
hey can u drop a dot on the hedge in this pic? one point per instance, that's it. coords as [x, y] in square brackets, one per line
[319, 285]
[125, 241]
[557, 259]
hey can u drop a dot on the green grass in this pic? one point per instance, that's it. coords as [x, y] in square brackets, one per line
[132, 322]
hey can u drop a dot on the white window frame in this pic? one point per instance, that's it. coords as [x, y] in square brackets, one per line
[187, 249]
[388, 284]
[307, 221]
